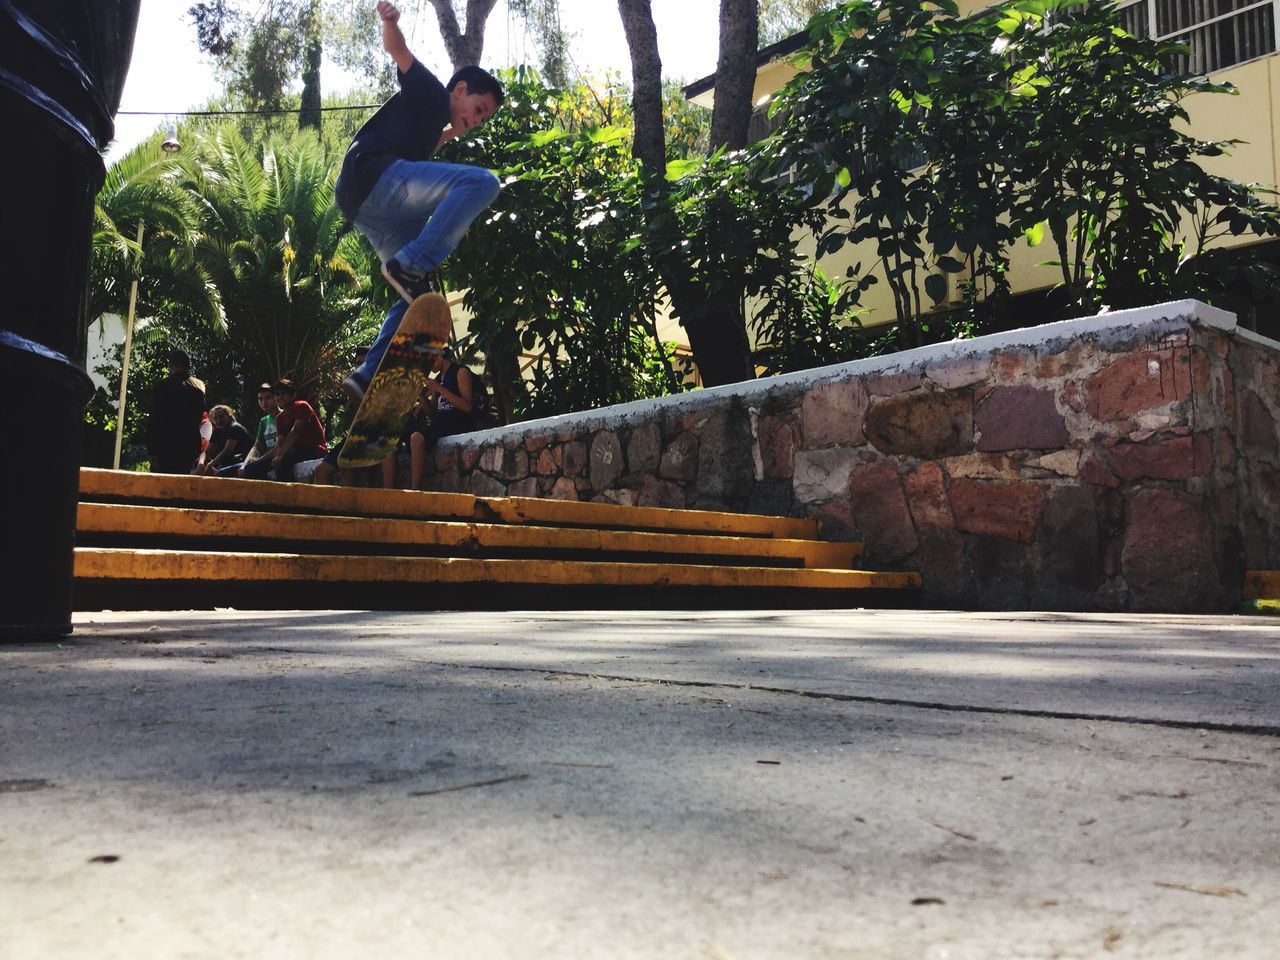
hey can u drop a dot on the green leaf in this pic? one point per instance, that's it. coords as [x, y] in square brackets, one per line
[607, 135]
[543, 137]
[1035, 234]
[844, 177]
[678, 169]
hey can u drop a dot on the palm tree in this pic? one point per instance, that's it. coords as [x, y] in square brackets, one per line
[294, 286]
[140, 190]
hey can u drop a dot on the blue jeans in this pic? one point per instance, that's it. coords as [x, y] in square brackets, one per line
[417, 213]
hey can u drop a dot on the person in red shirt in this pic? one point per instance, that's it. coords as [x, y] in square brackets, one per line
[299, 436]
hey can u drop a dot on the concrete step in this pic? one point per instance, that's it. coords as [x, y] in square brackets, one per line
[101, 524]
[172, 490]
[158, 541]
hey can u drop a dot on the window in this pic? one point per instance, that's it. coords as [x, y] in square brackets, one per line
[1220, 33]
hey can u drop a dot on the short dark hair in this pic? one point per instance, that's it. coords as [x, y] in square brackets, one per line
[478, 81]
[180, 358]
[264, 386]
[283, 385]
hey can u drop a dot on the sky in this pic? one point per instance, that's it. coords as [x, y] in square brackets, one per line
[169, 74]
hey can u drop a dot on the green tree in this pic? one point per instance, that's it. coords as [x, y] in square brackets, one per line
[941, 140]
[140, 190]
[294, 287]
[556, 281]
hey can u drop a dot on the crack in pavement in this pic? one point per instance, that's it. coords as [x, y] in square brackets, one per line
[1246, 729]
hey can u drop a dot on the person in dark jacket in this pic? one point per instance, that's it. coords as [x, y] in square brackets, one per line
[173, 419]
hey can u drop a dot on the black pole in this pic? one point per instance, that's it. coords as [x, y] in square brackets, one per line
[62, 69]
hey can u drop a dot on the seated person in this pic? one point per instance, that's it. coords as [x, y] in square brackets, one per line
[265, 442]
[450, 404]
[299, 433]
[414, 432]
[229, 444]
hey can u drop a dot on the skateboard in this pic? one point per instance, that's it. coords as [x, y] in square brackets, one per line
[423, 332]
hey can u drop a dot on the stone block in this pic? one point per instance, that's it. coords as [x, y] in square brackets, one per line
[835, 520]
[528, 487]
[1065, 463]
[1168, 557]
[833, 413]
[563, 489]
[606, 460]
[1010, 365]
[1138, 382]
[726, 456]
[483, 485]
[880, 511]
[468, 457]
[1020, 418]
[1069, 539]
[927, 499]
[644, 449]
[680, 459]
[888, 384]
[1094, 471]
[505, 462]
[825, 473]
[984, 466]
[927, 426]
[777, 447]
[1175, 459]
[548, 462]
[1010, 511]
[954, 374]
[574, 458]
[660, 493]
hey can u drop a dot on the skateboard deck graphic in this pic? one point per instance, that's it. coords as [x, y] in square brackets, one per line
[423, 332]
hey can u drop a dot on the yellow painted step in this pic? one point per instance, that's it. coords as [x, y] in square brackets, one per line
[124, 519]
[100, 564]
[362, 501]
[1262, 585]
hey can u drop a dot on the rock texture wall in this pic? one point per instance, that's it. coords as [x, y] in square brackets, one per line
[1119, 462]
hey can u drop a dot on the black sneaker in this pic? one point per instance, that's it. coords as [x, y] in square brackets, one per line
[407, 283]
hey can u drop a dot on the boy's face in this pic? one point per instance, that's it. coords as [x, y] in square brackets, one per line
[266, 401]
[283, 398]
[468, 110]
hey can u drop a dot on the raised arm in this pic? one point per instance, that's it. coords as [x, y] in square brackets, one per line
[392, 37]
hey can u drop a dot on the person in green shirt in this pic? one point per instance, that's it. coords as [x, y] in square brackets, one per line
[265, 442]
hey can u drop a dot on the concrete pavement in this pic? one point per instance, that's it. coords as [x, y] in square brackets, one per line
[705, 785]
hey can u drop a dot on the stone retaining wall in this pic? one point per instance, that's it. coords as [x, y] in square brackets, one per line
[1120, 462]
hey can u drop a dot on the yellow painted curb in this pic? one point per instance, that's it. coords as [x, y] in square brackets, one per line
[370, 532]
[361, 501]
[98, 564]
[1262, 585]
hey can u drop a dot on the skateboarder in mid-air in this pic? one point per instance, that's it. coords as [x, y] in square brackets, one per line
[412, 209]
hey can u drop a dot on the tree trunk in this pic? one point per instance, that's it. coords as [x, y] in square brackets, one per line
[646, 81]
[464, 49]
[735, 74]
[717, 332]
[310, 113]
